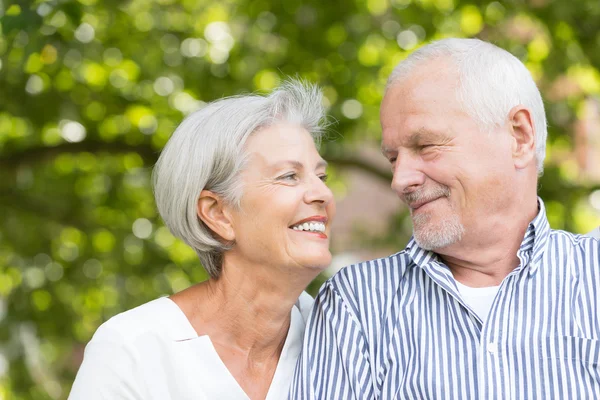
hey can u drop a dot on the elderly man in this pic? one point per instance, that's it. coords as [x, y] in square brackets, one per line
[486, 301]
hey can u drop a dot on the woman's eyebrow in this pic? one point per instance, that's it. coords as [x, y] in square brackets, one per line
[296, 164]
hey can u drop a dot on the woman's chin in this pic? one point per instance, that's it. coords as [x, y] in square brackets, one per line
[318, 263]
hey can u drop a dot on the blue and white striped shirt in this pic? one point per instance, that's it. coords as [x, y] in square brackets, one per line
[397, 328]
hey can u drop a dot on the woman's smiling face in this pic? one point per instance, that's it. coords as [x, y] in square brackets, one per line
[286, 207]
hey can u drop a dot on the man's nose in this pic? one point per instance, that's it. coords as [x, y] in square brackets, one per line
[407, 175]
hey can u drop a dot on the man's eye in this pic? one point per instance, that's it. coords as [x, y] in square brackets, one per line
[324, 177]
[392, 160]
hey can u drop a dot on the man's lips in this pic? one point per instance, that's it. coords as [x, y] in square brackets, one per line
[418, 204]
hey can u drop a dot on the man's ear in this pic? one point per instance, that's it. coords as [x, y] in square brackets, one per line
[213, 212]
[523, 135]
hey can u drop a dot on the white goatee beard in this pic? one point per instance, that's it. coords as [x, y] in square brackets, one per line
[430, 236]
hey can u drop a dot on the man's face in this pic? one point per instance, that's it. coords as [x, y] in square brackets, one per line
[450, 173]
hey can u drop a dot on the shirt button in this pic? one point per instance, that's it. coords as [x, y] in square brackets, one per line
[491, 348]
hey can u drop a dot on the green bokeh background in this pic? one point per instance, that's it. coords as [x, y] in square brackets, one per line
[90, 91]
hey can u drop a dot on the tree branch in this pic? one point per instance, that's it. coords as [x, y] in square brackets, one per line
[39, 154]
[35, 155]
[39, 209]
[363, 165]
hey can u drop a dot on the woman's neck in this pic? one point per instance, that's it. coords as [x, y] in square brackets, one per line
[247, 309]
[246, 313]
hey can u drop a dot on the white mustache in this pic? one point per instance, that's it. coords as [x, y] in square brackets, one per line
[426, 195]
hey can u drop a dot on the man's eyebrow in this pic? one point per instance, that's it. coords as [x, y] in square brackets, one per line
[410, 141]
[426, 134]
[417, 137]
[386, 150]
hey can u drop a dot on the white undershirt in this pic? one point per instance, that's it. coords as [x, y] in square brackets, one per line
[479, 299]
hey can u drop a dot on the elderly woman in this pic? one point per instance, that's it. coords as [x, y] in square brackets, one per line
[242, 183]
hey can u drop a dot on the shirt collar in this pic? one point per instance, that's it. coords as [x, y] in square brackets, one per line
[536, 238]
[420, 257]
[531, 250]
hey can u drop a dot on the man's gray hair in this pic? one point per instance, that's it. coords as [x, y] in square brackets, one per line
[206, 152]
[491, 82]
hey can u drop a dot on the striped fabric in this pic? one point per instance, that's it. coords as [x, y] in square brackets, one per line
[397, 328]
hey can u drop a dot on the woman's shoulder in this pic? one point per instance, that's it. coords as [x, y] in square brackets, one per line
[159, 317]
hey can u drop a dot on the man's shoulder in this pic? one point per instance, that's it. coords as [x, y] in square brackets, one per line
[580, 252]
[365, 291]
[394, 263]
[561, 238]
[371, 275]
[595, 233]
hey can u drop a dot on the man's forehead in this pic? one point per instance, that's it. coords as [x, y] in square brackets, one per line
[420, 110]
[425, 80]
[416, 94]
[437, 68]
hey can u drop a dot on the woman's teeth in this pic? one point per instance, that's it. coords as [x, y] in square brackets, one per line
[310, 227]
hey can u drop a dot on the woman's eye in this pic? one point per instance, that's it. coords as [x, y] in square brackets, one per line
[290, 177]
[323, 177]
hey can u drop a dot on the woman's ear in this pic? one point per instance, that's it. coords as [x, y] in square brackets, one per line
[213, 212]
[523, 133]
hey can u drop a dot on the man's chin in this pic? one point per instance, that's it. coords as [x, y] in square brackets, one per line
[436, 239]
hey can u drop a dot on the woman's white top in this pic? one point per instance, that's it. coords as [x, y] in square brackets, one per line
[479, 299]
[152, 352]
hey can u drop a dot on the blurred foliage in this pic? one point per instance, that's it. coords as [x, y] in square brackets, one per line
[91, 90]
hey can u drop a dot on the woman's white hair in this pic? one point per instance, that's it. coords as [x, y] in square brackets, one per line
[206, 151]
[491, 82]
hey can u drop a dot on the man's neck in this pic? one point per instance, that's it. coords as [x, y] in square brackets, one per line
[485, 258]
